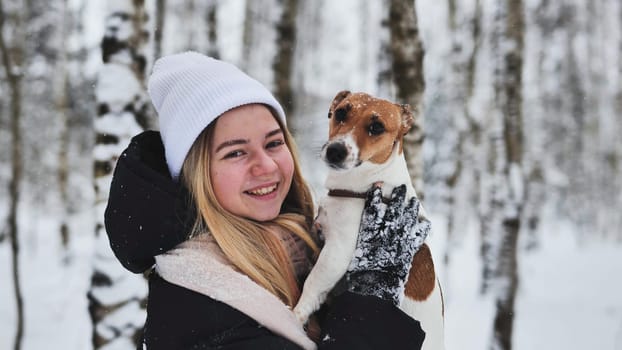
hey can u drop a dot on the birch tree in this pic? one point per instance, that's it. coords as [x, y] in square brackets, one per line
[270, 37]
[542, 99]
[158, 30]
[116, 298]
[508, 155]
[211, 17]
[385, 56]
[406, 52]
[186, 25]
[464, 127]
[283, 60]
[616, 158]
[12, 60]
[61, 100]
[259, 43]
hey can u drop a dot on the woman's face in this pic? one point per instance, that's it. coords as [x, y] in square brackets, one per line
[250, 165]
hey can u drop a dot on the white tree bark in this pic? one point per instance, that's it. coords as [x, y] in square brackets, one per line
[406, 55]
[464, 129]
[12, 60]
[509, 199]
[116, 297]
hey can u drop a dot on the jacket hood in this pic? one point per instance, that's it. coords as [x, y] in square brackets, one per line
[148, 213]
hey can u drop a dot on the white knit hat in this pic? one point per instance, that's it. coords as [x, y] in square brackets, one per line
[190, 90]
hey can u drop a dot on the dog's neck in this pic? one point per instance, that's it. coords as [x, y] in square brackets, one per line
[358, 180]
[351, 194]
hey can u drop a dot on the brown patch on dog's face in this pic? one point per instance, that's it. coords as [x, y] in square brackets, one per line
[422, 278]
[376, 125]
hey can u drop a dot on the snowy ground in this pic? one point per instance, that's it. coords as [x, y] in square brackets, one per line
[53, 284]
[569, 295]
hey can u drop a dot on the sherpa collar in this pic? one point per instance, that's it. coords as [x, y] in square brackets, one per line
[199, 265]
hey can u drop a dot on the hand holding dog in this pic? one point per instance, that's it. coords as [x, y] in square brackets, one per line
[389, 236]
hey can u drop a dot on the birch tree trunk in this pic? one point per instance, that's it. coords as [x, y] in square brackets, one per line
[12, 60]
[407, 72]
[465, 28]
[211, 17]
[259, 42]
[116, 298]
[616, 158]
[61, 87]
[158, 30]
[284, 59]
[385, 57]
[508, 91]
[541, 100]
[578, 108]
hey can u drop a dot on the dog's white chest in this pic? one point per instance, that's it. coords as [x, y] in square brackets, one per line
[340, 217]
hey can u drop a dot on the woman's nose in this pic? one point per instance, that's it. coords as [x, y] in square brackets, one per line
[263, 164]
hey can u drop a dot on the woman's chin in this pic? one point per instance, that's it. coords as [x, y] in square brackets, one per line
[263, 215]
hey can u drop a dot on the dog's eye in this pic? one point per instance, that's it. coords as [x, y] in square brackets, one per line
[340, 115]
[375, 128]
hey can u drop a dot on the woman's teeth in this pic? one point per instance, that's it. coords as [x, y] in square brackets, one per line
[263, 191]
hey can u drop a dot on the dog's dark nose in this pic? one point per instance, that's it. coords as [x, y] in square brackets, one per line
[336, 153]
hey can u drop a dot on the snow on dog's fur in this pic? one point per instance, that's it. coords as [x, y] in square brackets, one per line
[365, 147]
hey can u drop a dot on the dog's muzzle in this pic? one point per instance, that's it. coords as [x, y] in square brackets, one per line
[339, 155]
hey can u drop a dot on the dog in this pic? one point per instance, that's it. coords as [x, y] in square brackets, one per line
[365, 147]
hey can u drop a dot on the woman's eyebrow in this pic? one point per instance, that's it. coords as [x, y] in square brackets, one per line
[229, 143]
[274, 132]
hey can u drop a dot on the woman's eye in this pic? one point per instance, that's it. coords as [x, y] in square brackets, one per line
[275, 143]
[234, 154]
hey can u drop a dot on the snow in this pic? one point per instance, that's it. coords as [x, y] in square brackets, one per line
[569, 288]
[111, 77]
[588, 316]
[568, 297]
[53, 285]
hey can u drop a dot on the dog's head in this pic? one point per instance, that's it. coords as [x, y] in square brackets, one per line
[363, 128]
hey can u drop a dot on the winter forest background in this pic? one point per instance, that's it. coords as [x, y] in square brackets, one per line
[520, 103]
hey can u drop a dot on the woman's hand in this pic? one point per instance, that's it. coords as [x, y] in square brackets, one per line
[389, 236]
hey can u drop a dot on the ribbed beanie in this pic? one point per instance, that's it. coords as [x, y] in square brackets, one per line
[190, 90]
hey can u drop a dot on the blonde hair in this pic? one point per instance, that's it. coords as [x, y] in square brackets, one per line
[255, 248]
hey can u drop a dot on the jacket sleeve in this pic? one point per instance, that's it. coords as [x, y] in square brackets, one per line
[147, 212]
[363, 322]
[352, 321]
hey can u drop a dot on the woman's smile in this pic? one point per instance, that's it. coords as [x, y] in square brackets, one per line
[263, 191]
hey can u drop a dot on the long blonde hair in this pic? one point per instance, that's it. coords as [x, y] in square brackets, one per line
[253, 247]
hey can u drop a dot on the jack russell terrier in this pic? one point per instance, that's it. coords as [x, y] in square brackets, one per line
[365, 147]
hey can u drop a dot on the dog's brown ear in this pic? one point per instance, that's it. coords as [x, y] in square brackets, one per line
[341, 95]
[407, 118]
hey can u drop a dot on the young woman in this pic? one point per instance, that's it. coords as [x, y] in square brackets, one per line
[217, 201]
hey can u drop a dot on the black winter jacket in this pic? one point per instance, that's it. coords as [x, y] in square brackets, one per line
[148, 213]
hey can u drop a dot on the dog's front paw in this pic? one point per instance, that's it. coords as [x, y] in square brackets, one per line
[302, 313]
